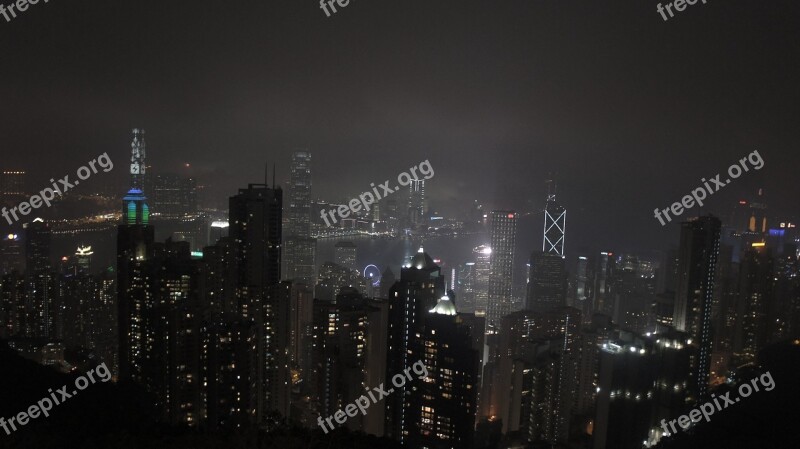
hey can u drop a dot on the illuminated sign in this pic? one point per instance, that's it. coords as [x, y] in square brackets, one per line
[84, 251]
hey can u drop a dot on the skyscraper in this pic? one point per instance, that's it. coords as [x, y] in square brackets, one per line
[441, 407]
[300, 254]
[13, 317]
[333, 278]
[347, 343]
[535, 388]
[555, 223]
[503, 239]
[697, 262]
[298, 211]
[642, 380]
[158, 316]
[758, 214]
[482, 268]
[135, 239]
[173, 366]
[300, 248]
[12, 253]
[39, 294]
[464, 277]
[547, 287]
[83, 259]
[138, 155]
[173, 196]
[421, 284]
[12, 183]
[756, 295]
[604, 284]
[345, 255]
[232, 362]
[255, 228]
[416, 202]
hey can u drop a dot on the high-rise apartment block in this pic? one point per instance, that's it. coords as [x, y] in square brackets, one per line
[345, 254]
[697, 264]
[12, 183]
[38, 280]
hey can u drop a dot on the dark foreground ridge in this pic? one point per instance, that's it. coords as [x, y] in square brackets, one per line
[764, 420]
[108, 416]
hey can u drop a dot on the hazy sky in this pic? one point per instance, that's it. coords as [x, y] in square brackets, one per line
[631, 111]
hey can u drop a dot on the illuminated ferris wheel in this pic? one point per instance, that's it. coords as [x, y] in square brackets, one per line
[372, 273]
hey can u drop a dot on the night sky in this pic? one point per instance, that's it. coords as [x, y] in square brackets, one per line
[629, 110]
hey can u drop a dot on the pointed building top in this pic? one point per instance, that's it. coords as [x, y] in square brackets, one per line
[444, 307]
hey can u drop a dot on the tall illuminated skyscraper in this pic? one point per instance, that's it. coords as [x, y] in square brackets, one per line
[482, 268]
[255, 227]
[503, 239]
[347, 349]
[555, 223]
[697, 262]
[441, 408]
[756, 297]
[135, 238]
[420, 286]
[134, 249]
[416, 202]
[300, 250]
[38, 280]
[298, 211]
[138, 154]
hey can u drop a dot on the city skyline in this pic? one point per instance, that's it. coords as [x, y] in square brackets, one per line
[410, 225]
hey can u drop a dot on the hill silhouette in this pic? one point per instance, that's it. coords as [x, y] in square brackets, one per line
[113, 416]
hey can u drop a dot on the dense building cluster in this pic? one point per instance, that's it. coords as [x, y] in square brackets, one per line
[238, 320]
